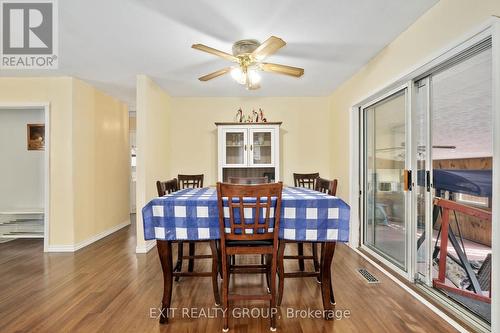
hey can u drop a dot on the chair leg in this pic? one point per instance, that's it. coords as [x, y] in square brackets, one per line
[215, 271]
[267, 262]
[180, 253]
[192, 247]
[315, 255]
[219, 258]
[281, 270]
[273, 292]
[225, 291]
[300, 250]
[321, 255]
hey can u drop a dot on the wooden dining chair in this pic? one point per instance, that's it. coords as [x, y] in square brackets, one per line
[248, 180]
[324, 186]
[307, 180]
[166, 187]
[189, 181]
[249, 235]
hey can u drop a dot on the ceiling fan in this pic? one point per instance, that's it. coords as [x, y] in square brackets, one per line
[248, 54]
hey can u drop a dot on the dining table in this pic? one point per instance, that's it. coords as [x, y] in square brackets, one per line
[192, 215]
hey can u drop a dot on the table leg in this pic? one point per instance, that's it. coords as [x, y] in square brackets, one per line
[165, 254]
[326, 276]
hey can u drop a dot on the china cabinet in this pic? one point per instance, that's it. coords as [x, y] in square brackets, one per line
[248, 150]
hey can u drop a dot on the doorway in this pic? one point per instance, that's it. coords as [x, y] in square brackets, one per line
[24, 194]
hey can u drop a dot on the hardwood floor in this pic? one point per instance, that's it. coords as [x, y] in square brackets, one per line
[106, 287]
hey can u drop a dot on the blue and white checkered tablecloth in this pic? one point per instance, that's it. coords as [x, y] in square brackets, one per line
[192, 214]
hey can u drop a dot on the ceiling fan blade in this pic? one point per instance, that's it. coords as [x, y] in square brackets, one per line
[216, 52]
[283, 69]
[269, 47]
[215, 74]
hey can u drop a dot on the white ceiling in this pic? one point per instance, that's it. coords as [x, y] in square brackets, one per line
[108, 42]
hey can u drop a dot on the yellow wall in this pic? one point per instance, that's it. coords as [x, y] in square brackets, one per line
[305, 139]
[101, 161]
[79, 183]
[57, 92]
[447, 21]
[153, 153]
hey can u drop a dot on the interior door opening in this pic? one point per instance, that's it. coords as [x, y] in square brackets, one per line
[22, 173]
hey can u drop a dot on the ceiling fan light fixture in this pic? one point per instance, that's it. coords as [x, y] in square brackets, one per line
[238, 75]
[253, 76]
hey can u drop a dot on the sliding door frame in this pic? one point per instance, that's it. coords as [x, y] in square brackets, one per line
[405, 272]
[490, 29]
[428, 244]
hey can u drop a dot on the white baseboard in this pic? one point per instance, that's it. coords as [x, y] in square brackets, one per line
[146, 247]
[88, 241]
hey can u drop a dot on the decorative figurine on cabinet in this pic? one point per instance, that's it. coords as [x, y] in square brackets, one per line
[255, 116]
[249, 119]
[261, 116]
[238, 118]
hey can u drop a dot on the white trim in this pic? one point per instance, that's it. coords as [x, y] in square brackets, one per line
[495, 263]
[421, 299]
[88, 241]
[354, 191]
[148, 245]
[46, 110]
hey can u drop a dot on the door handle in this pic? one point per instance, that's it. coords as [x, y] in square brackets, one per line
[245, 147]
[251, 147]
[407, 180]
[428, 180]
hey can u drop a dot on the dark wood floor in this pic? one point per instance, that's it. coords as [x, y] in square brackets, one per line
[106, 287]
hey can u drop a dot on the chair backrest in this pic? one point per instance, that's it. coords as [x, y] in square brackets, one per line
[235, 203]
[166, 187]
[307, 180]
[248, 180]
[326, 186]
[190, 181]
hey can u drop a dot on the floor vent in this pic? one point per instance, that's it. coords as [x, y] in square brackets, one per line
[368, 276]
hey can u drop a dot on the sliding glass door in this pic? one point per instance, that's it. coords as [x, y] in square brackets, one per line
[385, 158]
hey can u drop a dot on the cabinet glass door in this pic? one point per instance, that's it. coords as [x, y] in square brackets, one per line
[262, 147]
[235, 147]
